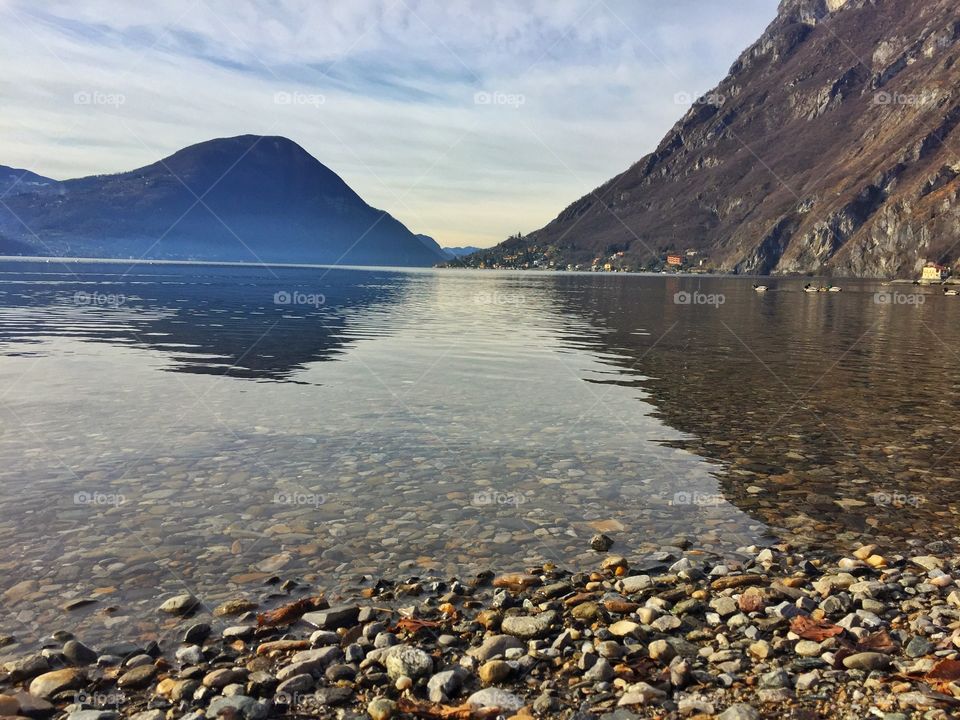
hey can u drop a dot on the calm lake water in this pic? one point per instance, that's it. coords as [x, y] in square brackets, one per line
[199, 428]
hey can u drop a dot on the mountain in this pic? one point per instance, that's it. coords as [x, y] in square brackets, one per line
[246, 198]
[14, 181]
[432, 244]
[832, 146]
[458, 252]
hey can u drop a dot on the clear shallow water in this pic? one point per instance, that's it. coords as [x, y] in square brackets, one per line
[185, 428]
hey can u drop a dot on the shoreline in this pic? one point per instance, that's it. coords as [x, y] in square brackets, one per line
[677, 633]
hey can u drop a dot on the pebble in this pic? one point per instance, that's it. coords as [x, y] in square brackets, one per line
[181, 605]
[492, 697]
[381, 709]
[408, 661]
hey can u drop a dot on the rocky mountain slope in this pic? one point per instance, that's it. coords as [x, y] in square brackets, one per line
[244, 199]
[832, 146]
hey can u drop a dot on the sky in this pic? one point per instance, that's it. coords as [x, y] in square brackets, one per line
[468, 121]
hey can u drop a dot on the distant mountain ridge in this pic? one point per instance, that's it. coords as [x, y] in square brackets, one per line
[831, 147]
[246, 198]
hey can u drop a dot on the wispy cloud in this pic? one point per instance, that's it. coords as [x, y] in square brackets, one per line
[435, 111]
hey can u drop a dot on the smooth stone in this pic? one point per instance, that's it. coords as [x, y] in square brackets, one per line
[866, 661]
[495, 646]
[528, 627]
[197, 633]
[807, 648]
[51, 683]
[137, 677]
[78, 653]
[445, 685]
[381, 709]
[641, 693]
[222, 677]
[92, 715]
[635, 584]
[180, 605]
[32, 706]
[235, 705]
[494, 671]
[492, 697]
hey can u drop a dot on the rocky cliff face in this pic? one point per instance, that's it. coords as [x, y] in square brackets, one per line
[832, 146]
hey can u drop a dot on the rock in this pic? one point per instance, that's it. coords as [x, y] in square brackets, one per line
[600, 672]
[333, 618]
[495, 698]
[641, 693]
[20, 591]
[516, 581]
[222, 677]
[409, 661]
[601, 542]
[866, 661]
[26, 667]
[236, 606]
[623, 628]
[78, 653]
[181, 605]
[495, 646]
[918, 647]
[381, 709]
[149, 715]
[635, 584]
[928, 562]
[807, 680]
[494, 671]
[197, 633]
[807, 648]
[740, 711]
[333, 695]
[51, 683]
[528, 627]
[761, 649]
[189, 654]
[724, 606]
[445, 685]
[237, 706]
[313, 662]
[588, 611]
[661, 650]
[137, 677]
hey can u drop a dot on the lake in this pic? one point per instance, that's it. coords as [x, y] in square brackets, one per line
[222, 429]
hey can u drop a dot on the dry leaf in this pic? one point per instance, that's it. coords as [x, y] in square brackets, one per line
[945, 670]
[816, 630]
[879, 641]
[445, 712]
[290, 613]
[412, 625]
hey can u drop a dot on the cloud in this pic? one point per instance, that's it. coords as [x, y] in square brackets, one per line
[468, 121]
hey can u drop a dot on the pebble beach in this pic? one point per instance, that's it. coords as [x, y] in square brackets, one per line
[677, 633]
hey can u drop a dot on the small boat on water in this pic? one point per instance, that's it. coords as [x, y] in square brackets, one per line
[760, 288]
[951, 291]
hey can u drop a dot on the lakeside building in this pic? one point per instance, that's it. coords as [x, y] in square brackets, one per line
[933, 272]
